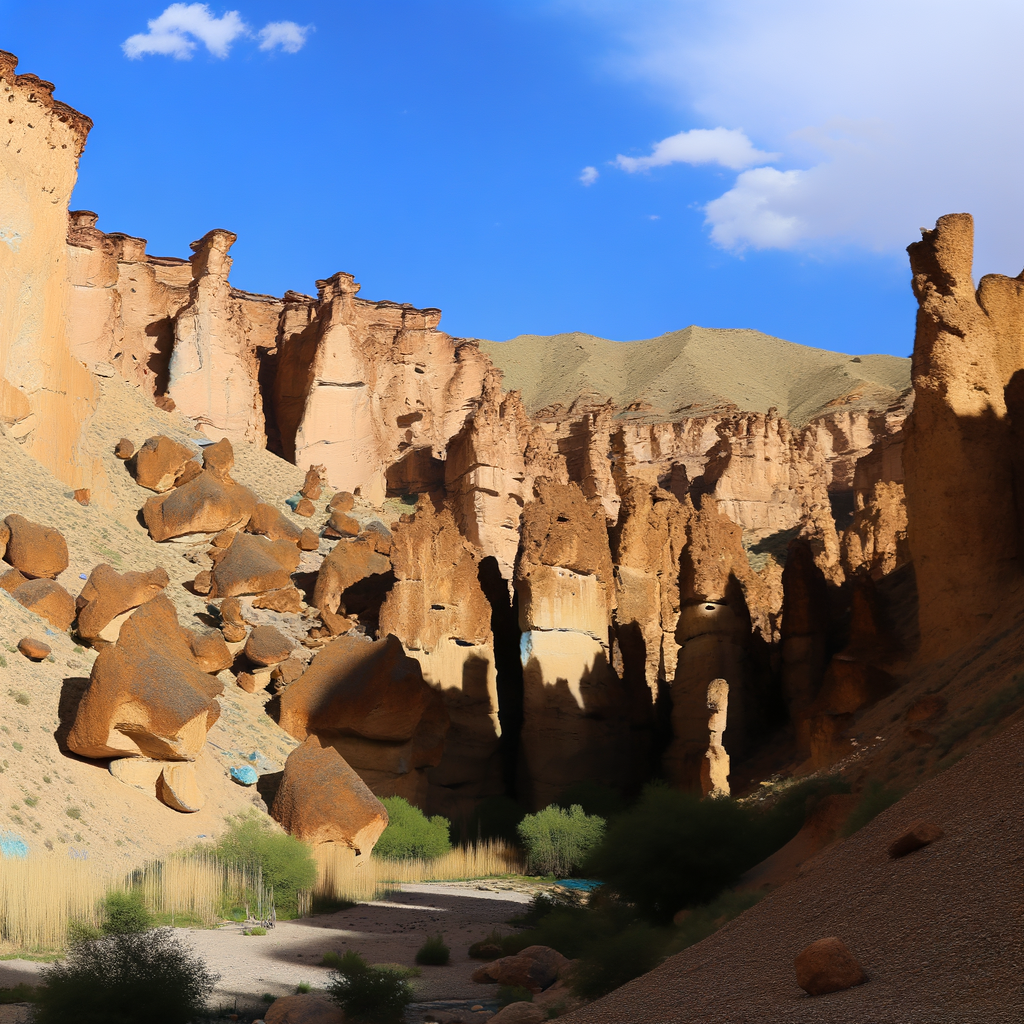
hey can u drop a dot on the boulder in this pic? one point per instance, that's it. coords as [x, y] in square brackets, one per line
[304, 1009]
[827, 966]
[83, 495]
[203, 505]
[211, 652]
[254, 565]
[177, 787]
[348, 563]
[147, 695]
[37, 551]
[308, 540]
[343, 525]
[219, 460]
[916, 836]
[159, 462]
[47, 599]
[535, 968]
[322, 800]
[343, 501]
[34, 650]
[124, 449]
[140, 773]
[287, 600]
[267, 646]
[232, 633]
[287, 672]
[203, 582]
[271, 523]
[11, 580]
[305, 508]
[108, 594]
[519, 1013]
[313, 486]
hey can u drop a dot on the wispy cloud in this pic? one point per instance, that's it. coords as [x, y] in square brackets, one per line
[589, 175]
[728, 147]
[182, 27]
[887, 115]
[284, 34]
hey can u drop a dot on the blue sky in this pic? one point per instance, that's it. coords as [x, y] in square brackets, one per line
[436, 149]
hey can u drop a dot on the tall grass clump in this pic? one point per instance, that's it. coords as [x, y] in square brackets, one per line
[285, 864]
[558, 841]
[433, 952]
[410, 834]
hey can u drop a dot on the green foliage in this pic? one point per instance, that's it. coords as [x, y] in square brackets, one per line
[410, 834]
[513, 994]
[612, 958]
[79, 931]
[490, 947]
[73, 812]
[20, 697]
[369, 995]
[125, 913]
[287, 864]
[331, 959]
[558, 841]
[126, 978]
[875, 799]
[594, 798]
[255, 930]
[302, 988]
[433, 952]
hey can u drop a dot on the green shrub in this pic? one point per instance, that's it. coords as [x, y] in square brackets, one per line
[433, 952]
[255, 930]
[610, 960]
[410, 834]
[490, 947]
[252, 841]
[875, 799]
[126, 978]
[513, 994]
[303, 988]
[558, 841]
[125, 913]
[674, 850]
[367, 994]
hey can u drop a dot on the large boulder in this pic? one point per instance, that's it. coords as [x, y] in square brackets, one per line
[827, 966]
[535, 968]
[369, 699]
[37, 551]
[203, 505]
[108, 594]
[49, 600]
[322, 800]
[160, 462]
[268, 646]
[304, 1009]
[147, 695]
[349, 562]
[253, 565]
[519, 1013]
[271, 523]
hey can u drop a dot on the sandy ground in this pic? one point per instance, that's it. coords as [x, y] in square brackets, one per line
[695, 371]
[384, 931]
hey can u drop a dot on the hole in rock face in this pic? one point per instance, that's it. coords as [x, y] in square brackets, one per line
[508, 667]
[419, 369]
[563, 519]
[709, 607]
[363, 599]
[437, 607]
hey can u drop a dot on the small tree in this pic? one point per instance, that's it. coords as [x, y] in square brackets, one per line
[252, 841]
[369, 995]
[126, 978]
[558, 841]
[410, 833]
[125, 913]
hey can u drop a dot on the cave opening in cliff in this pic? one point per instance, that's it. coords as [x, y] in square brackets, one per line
[507, 665]
[362, 601]
[266, 372]
[415, 473]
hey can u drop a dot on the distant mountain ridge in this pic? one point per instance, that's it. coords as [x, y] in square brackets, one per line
[695, 371]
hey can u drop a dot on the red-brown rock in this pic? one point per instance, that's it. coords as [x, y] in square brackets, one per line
[124, 449]
[916, 836]
[83, 495]
[827, 966]
[203, 582]
[535, 968]
[308, 540]
[269, 522]
[312, 487]
[305, 508]
[348, 563]
[159, 462]
[37, 551]
[147, 695]
[519, 1013]
[287, 600]
[322, 800]
[304, 1009]
[343, 525]
[254, 565]
[49, 600]
[34, 650]
[211, 652]
[203, 505]
[267, 646]
[11, 580]
[343, 501]
[108, 594]
[219, 459]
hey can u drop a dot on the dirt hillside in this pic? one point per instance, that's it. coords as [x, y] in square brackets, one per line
[697, 369]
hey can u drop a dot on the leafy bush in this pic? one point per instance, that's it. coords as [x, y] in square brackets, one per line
[433, 952]
[513, 994]
[252, 841]
[490, 947]
[126, 978]
[558, 841]
[611, 959]
[410, 834]
[125, 913]
[367, 994]
[255, 930]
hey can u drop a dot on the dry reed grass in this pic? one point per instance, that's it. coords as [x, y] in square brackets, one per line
[342, 875]
[40, 898]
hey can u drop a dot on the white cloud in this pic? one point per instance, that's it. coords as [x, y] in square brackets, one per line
[181, 27]
[886, 113]
[286, 34]
[729, 147]
[589, 175]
